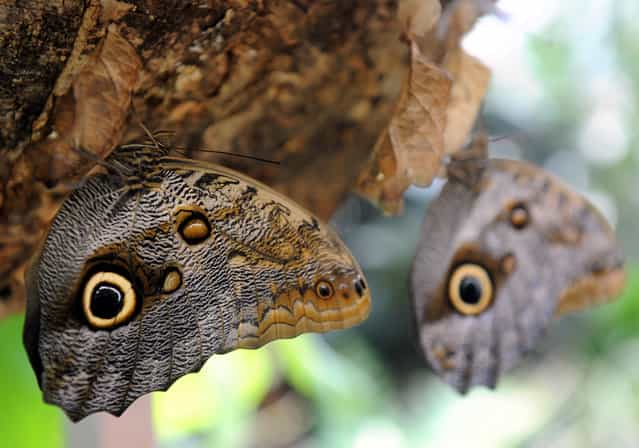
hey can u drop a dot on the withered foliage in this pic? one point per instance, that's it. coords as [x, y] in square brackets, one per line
[439, 104]
[341, 93]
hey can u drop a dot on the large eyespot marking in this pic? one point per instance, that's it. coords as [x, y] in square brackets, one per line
[108, 299]
[193, 226]
[324, 290]
[470, 289]
[172, 280]
[519, 215]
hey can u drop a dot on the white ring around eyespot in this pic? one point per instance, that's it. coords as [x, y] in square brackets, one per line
[123, 284]
[477, 271]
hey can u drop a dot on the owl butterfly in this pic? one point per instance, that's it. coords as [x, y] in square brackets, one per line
[504, 249]
[147, 272]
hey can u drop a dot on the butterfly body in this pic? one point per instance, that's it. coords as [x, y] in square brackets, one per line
[505, 248]
[145, 275]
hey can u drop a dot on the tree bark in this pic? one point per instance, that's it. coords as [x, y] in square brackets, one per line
[310, 83]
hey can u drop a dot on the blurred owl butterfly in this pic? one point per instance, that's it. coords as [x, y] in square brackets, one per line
[149, 270]
[504, 248]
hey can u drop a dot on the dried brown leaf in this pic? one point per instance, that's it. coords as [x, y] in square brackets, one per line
[418, 17]
[91, 114]
[411, 151]
[417, 131]
[470, 82]
[439, 104]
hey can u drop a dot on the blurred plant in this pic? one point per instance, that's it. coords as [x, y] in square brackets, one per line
[26, 421]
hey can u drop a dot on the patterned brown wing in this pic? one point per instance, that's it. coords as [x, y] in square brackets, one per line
[141, 279]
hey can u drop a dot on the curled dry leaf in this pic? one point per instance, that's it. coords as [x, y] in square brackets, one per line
[470, 77]
[439, 105]
[418, 17]
[419, 129]
[470, 82]
[90, 114]
[411, 150]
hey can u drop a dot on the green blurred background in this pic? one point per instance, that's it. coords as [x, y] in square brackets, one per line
[565, 95]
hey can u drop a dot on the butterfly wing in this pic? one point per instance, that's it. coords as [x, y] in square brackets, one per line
[138, 284]
[501, 249]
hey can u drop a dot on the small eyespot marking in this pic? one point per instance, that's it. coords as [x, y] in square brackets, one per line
[345, 291]
[508, 264]
[519, 215]
[193, 226]
[172, 280]
[324, 289]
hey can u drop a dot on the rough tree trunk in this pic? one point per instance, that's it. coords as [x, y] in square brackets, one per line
[365, 94]
[311, 83]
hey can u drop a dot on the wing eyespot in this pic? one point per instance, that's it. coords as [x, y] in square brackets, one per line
[519, 215]
[324, 289]
[508, 264]
[193, 226]
[172, 280]
[470, 289]
[108, 299]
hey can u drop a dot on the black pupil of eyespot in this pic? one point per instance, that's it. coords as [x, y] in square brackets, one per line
[470, 290]
[324, 290]
[107, 301]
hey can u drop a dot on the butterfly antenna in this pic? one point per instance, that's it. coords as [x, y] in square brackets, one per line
[182, 151]
[162, 137]
[499, 138]
[164, 132]
[120, 170]
[153, 136]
